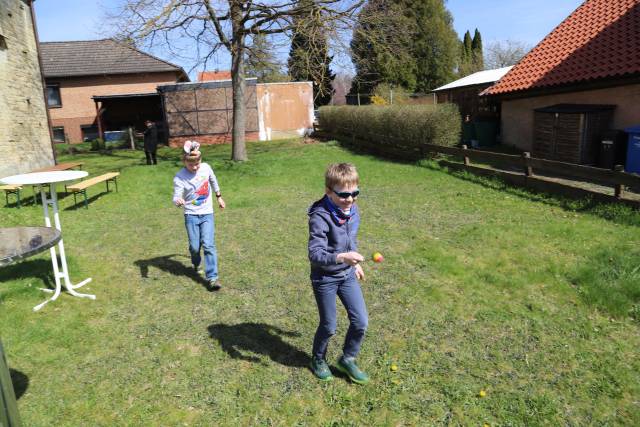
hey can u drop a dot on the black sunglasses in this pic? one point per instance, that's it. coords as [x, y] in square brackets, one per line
[346, 194]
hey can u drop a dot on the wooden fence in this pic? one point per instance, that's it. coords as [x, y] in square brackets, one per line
[522, 170]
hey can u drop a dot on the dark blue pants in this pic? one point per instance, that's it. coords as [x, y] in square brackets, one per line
[349, 292]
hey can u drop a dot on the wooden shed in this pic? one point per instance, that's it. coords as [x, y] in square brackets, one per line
[206, 108]
[570, 132]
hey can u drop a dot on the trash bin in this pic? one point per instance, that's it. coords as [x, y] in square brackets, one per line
[633, 149]
[468, 132]
[486, 132]
[613, 148]
[607, 155]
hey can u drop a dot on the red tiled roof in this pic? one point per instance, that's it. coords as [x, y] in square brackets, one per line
[208, 76]
[600, 39]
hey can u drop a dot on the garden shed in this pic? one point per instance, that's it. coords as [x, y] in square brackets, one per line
[205, 109]
[570, 132]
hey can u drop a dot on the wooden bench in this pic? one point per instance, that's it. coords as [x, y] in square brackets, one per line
[81, 187]
[11, 189]
[61, 167]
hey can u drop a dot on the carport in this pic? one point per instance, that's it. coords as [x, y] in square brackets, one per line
[119, 112]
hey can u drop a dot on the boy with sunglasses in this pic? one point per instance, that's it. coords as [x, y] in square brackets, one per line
[335, 270]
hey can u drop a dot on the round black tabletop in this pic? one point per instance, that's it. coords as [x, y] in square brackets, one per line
[17, 243]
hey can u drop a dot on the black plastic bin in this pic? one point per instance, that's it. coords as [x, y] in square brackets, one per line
[613, 147]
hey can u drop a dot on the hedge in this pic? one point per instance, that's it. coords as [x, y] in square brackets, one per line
[395, 130]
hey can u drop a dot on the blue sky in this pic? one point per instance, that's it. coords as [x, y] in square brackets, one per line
[522, 20]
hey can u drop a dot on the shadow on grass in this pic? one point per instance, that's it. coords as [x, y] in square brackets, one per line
[169, 265]
[20, 382]
[37, 268]
[245, 341]
[80, 200]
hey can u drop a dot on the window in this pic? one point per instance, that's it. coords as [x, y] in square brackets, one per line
[89, 132]
[58, 134]
[53, 95]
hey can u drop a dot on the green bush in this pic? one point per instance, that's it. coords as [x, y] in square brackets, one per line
[65, 148]
[395, 130]
[97, 144]
[391, 95]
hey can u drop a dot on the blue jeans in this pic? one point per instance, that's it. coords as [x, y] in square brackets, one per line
[201, 234]
[349, 292]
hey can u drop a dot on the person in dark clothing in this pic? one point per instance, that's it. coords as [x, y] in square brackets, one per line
[151, 142]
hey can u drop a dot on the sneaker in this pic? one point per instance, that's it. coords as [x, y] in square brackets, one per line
[197, 269]
[320, 369]
[347, 365]
[214, 285]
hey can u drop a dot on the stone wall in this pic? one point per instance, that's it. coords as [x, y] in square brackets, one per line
[25, 143]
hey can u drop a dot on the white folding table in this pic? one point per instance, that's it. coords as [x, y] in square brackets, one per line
[51, 179]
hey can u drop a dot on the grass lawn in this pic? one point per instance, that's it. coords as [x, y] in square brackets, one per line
[481, 289]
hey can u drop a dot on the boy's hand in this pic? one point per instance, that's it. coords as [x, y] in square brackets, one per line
[359, 272]
[180, 202]
[351, 258]
[221, 203]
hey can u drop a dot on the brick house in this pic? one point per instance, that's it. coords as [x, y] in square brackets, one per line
[84, 78]
[25, 142]
[211, 76]
[581, 81]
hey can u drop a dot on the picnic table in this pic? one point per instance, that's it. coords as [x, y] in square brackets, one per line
[51, 179]
[15, 189]
[60, 167]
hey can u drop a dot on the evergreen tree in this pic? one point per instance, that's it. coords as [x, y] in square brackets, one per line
[435, 45]
[408, 43]
[261, 63]
[309, 58]
[464, 64]
[477, 56]
[381, 47]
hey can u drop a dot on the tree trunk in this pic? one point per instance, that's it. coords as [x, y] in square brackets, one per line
[238, 147]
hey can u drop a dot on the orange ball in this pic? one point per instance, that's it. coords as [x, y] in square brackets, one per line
[377, 257]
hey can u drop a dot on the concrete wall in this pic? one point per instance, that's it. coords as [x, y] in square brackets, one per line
[25, 143]
[517, 114]
[79, 109]
[284, 109]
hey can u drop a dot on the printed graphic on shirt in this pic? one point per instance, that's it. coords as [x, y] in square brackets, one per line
[202, 194]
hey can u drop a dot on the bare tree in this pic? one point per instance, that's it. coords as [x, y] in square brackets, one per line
[341, 85]
[210, 25]
[504, 53]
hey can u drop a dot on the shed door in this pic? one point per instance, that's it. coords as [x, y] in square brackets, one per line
[543, 135]
[558, 136]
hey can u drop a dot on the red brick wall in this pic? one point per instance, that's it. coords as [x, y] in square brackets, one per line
[79, 109]
[221, 138]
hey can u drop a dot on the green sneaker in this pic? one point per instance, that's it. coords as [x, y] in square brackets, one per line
[320, 369]
[347, 365]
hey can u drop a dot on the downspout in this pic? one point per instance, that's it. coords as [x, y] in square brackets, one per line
[44, 85]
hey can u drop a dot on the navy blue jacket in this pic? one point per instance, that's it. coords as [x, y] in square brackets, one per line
[328, 238]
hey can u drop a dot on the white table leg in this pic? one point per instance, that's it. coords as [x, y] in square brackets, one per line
[62, 271]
